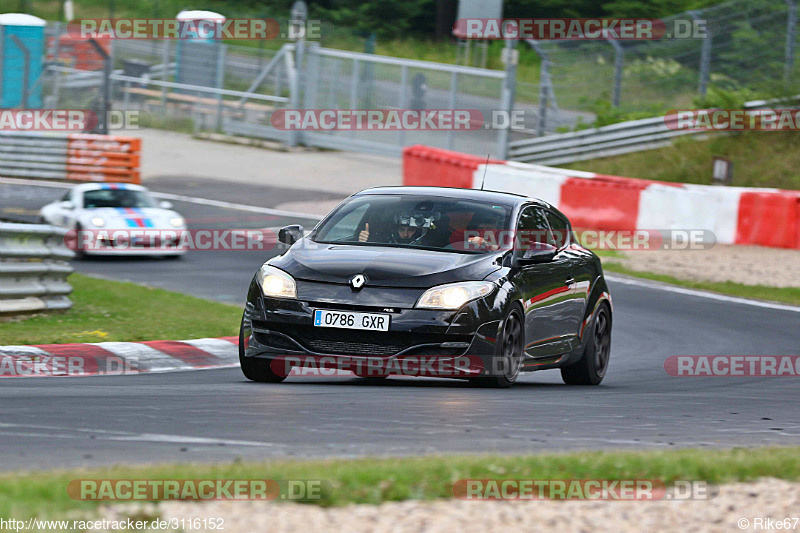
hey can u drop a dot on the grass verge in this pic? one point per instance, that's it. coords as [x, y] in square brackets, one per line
[787, 295]
[373, 481]
[106, 310]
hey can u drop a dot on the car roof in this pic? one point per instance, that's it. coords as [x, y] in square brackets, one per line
[458, 193]
[97, 186]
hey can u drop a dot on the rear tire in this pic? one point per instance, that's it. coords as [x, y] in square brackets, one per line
[259, 370]
[510, 348]
[591, 368]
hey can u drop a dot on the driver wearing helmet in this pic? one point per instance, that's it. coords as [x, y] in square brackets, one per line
[407, 228]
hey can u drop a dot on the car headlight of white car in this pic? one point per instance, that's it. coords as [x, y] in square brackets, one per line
[98, 221]
[176, 222]
[276, 283]
[454, 295]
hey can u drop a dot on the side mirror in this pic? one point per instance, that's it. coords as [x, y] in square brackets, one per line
[538, 252]
[290, 234]
[165, 204]
[66, 204]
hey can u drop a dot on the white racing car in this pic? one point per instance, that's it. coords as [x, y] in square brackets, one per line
[117, 219]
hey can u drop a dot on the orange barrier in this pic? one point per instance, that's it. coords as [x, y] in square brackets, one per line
[78, 53]
[769, 219]
[425, 165]
[111, 158]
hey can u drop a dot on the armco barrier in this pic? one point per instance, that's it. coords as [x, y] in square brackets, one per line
[69, 156]
[736, 215]
[34, 265]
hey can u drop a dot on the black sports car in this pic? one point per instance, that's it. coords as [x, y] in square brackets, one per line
[461, 283]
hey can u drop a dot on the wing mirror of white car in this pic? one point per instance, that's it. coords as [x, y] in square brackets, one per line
[165, 204]
[66, 205]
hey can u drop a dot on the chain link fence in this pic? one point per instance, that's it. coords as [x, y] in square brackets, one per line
[742, 46]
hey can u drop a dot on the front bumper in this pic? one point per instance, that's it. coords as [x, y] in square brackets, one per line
[454, 343]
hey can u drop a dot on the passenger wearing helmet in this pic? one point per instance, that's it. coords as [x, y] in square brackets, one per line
[487, 226]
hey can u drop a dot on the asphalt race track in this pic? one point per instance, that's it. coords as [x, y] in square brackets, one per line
[217, 415]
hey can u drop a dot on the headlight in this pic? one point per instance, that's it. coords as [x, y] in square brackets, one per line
[454, 295]
[176, 222]
[276, 283]
[99, 222]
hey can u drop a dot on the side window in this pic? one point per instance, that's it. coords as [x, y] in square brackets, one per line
[532, 228]
[560, 229]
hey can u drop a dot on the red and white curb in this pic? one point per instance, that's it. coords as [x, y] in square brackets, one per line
[117, 358]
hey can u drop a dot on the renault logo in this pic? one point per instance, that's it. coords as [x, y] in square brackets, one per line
[358, 281]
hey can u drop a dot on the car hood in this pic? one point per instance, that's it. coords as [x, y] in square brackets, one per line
[383, 266]
[130, 218]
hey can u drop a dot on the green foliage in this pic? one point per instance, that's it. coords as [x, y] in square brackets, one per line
[717, 98]
[608, 114]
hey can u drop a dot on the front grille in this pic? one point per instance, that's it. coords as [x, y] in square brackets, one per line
[355, 342]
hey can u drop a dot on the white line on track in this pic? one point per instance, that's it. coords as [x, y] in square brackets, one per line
[702, 294]
[231, 205]
[267, 210]
[179, 198]
[103, 434]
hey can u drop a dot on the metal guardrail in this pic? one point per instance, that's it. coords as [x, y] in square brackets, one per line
[34, 265]
[607, 141]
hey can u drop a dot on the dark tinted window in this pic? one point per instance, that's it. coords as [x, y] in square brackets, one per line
[431, 222]
[116, 198]
[533, 228]
[560, 229]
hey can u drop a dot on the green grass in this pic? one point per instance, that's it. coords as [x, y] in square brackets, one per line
[760, 159]
[788, 295]
[373, 481]
[118, 311]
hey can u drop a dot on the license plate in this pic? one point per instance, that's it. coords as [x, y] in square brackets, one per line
[349, 320]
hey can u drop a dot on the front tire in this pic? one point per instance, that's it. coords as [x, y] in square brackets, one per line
[259, 370]
[510, 347]
[591, 368]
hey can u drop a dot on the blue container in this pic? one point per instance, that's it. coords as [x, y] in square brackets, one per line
[29, 30]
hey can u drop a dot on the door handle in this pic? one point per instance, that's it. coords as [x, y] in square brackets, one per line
[569, 282]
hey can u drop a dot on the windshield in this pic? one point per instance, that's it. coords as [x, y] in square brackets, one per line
[427, 222]
[116, 198]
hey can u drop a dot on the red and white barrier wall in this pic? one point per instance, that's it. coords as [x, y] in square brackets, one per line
[736, 215]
